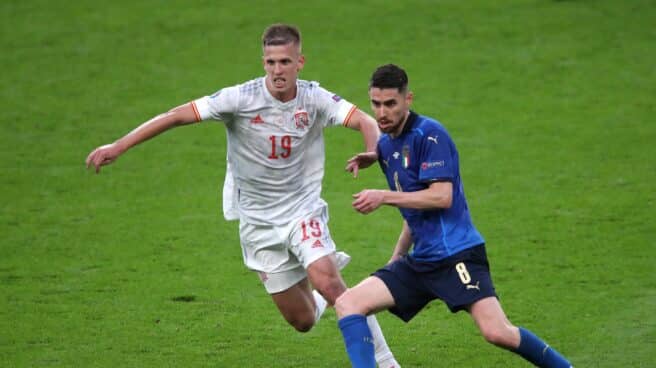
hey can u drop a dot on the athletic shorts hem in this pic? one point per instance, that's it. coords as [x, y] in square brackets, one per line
[280, 281]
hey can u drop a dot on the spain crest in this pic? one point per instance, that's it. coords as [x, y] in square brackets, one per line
[301, 119]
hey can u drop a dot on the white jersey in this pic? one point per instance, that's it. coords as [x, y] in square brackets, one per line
[275, 149]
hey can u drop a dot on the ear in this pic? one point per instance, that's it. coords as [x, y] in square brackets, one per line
[301, 62]
[408, 98]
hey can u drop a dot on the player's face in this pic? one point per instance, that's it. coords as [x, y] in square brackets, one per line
[282, 64]
[390, 108]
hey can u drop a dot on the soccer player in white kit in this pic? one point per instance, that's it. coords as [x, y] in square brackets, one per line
[276, 164]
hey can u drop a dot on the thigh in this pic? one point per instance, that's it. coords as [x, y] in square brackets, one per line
[296, 303]
[368, 297]
[266, 253]
[406, 288]
[487, 313]
[325, 278]
[463, 282]
[278, 282]
[265, 250]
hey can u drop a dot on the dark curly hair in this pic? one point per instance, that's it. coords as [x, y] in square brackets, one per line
[389, 76]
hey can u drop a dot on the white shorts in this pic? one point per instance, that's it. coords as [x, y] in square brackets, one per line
[281, 254]
[230, 196]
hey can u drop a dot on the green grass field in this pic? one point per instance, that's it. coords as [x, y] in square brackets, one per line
[551, 103]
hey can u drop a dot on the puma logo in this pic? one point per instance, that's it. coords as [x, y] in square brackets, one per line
[434, 139]
[470, 287]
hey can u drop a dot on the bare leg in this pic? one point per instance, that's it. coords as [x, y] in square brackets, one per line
[496, 329]
[493, 324]
[368, 297]
[297, 305]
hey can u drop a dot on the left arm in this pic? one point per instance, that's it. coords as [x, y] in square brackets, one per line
[438, 195]
[403, 244]
[370, 134]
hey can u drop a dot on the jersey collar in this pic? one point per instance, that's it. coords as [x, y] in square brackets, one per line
[276, 101]
[412, 118]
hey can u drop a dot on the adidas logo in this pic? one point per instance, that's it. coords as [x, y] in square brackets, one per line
[317, 244]
[257, 120]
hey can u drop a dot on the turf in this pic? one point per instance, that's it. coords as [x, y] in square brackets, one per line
[551, 104]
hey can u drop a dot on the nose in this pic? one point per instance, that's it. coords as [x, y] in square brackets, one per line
[277, 68]
[380, 111]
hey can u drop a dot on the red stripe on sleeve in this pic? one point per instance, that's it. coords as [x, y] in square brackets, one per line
[348, 116]
[193, 106]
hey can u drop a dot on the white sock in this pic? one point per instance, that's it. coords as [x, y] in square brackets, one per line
[321, 305]
[384, 356]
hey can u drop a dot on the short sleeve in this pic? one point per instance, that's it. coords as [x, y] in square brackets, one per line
[333, 109]
[436, 160]
[222, 105]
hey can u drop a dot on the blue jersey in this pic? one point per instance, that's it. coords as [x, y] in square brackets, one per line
[422, 154]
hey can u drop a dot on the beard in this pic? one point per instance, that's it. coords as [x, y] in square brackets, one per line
[388, 126]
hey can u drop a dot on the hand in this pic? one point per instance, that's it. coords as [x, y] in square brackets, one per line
[103, 155]
[368, 200]
[361, 161]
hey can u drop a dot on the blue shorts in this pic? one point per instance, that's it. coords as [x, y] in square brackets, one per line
[458, 280]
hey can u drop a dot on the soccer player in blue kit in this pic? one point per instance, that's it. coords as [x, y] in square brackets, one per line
[448, 260]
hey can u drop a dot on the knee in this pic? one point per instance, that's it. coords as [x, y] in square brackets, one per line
[331, 290]
[346, 305]
[501, 336]
[342, 305]
[493, 336]
[302, 324]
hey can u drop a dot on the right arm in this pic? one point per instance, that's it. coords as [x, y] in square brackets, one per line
[105, 155]
[370, 133]
[439, 194]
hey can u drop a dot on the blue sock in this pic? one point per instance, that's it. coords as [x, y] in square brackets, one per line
[538, 352]
[358, 341]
